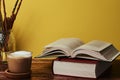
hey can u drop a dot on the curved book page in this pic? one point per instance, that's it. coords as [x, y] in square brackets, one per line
[74, 47]
[64, 46]
[96, 49]
[107, 54]
[55, 51]
[88, 54]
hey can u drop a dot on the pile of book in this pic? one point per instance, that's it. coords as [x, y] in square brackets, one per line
[78, 59]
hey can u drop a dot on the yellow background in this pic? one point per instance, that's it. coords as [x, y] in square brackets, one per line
[40, 22]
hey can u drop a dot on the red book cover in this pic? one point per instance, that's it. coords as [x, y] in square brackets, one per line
[77, 60]
[79, 67]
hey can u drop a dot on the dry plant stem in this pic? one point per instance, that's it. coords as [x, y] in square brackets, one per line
[15, 6]
[18, 7]
[6, 42]
[5, 21]
[5, 27]
[14, 14]
[9, 21]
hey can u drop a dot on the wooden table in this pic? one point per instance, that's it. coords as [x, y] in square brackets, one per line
[42, 70]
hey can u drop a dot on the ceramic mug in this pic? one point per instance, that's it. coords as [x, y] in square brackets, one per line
[19, 61]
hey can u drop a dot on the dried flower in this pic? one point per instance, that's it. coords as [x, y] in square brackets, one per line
[6, 24]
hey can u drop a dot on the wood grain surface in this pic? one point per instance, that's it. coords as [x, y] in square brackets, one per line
[42, 70]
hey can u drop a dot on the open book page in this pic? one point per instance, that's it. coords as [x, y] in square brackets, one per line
[110, 53]
[95, 45]
[96, 49]
[62, 46]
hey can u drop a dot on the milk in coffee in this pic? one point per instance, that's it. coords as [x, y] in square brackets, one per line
[19, 61]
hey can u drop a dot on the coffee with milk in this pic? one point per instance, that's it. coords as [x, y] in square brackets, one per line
[19, 61]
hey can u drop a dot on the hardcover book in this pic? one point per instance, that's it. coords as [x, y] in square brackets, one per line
[75, 48]
[79, 67]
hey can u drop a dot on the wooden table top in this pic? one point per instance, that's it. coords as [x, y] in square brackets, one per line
[42, 70]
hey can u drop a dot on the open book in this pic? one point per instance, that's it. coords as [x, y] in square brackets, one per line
[75, 48]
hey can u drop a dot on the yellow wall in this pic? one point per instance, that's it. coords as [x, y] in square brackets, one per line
[40, 22]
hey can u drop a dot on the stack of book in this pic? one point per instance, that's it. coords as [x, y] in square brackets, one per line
[75, 58]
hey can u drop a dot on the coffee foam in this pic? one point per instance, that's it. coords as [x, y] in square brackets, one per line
[20, 54]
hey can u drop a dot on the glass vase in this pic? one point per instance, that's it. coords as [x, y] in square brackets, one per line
[7, 44]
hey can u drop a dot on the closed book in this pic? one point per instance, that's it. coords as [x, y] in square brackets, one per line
[79, 67]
